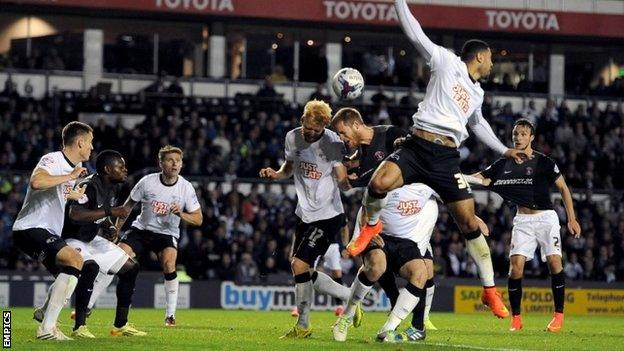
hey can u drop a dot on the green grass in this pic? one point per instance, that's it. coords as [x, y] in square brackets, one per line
[250, 330]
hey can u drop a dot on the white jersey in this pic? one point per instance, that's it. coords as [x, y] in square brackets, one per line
[157, 199]
[451, 97]
[45, 208]
[401, 217]
[317, 190]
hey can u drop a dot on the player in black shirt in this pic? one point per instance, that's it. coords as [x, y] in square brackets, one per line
[91, 231]
[369, 146]
[527, 185]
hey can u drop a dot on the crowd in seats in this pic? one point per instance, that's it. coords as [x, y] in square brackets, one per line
[249, 236]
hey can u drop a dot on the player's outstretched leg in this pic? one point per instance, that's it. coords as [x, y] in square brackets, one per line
[352, 314]
[557, 281]
[373, 268]
[386, 178]
[84, 288]
[60, 292]
[416, 273]
[464, 214]
[514, 288]
[430, 291]
[125, 289]
[408, 299]
[303, 300]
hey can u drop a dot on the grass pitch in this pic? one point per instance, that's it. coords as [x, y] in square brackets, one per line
[252, 330]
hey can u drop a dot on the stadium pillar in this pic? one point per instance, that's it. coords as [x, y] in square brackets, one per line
[93, 53]
[217, 59]
[217, 51]
[557, 74]
[334, 58]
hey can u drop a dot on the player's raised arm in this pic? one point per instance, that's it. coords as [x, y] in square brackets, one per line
[566, 196]
[41, 178]
[482, 129]
[413, 30]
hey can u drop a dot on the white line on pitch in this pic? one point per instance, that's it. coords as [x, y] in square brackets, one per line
[459, 346]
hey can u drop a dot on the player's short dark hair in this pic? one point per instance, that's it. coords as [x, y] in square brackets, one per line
[525, 123]
[106, 158]
[73, 130]
[471, 48]
[347, 115]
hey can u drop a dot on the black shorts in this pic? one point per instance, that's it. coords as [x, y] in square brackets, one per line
[40, 245]
[398, 251]
[141, 240]
[435, 165]
[313, 239]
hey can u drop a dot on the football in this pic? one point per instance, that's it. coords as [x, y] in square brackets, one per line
[348, 83]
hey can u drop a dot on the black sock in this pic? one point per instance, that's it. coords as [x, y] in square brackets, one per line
[125, 289]
[71, 271]
[338, 301]
[418, 313]
[557, 282]
[388, 284]
[514, 287]
[84, 289]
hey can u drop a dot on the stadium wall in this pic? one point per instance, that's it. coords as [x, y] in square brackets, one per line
[18, 289]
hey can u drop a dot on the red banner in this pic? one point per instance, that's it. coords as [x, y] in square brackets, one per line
[374, 13]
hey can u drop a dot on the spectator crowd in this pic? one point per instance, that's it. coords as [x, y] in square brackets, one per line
[248, 236]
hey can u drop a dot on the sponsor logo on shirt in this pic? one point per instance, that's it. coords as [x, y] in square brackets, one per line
[408, 208]
[160, 208]
[379, 155]
[461, 97]
[517, 181]
[310, 170]
[67, 188]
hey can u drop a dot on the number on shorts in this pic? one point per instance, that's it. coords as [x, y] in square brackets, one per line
[556, 241]
[316, 234]
[461, 182]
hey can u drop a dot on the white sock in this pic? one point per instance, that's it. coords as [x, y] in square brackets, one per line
[102, 281]
[373, 207]
[429, 300]
[326, 285]
[404, 306]
[480, 252]
[171, 291]
[358, 293]
[303, 299]
[61, 289]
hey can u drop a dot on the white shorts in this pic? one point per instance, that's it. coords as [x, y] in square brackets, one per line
[331, 259]
[531, 230]
[427, 219]
[107, 255]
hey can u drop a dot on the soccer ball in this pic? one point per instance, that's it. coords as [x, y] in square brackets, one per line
[348, 84]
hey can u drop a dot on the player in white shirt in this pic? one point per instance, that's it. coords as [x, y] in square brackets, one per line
[38, 226]
[452, 101]
[166, 199]
[314, 158]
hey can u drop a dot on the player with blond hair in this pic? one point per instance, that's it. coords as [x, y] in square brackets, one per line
[314, 157]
